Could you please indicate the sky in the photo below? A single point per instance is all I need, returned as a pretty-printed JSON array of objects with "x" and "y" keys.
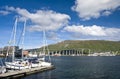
[{"x": 60, "y": 19}]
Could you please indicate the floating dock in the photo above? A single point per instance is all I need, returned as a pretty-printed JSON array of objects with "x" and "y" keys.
[{"x": 25, "y": 72}]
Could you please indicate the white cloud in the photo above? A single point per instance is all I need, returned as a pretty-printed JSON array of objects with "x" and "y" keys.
[
  {"x": 52, "y": 36},
  {"x": 4, "y": 12},
  {"x": 93, "y": 30},
  {"x": 9, "y": 8},
  {"x": 94, "y": 8},
  {"x": 43, "y": 19},
  {"x": 106, "y": 13}
]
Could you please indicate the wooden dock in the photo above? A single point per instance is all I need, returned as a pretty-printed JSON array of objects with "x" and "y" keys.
[{"x": 25, "y": 72}]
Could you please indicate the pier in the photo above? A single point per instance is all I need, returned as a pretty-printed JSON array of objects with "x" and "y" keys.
[{"x": 21, "y": 73}]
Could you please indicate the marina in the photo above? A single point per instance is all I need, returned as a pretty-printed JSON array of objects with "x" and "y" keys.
[
  {"x": 23, "y": 66},
  {"x": 60, "y": 39}
]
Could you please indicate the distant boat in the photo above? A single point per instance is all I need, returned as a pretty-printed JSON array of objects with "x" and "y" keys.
[
  {"x": 102, "y": 54},
  {"x": 32, "y": 55},
  {"x": 2, "y": 55}
]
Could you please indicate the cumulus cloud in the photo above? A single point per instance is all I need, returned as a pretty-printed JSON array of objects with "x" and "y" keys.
[
  {"x": 4, "y": 12},
  {"x": 106, "y": 13},
  {"x": 94, "y": 8},
  {"x": 53, "y": 36},
  {"x": 9, "y": 8},
  {"x": 93, "y": 30},
  {"x": 43, "y": 19}
]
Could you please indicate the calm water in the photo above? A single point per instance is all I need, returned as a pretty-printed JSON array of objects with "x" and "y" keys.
[
  {"x": 82, "y": 68},
  {"x": 71, "y": 67}
]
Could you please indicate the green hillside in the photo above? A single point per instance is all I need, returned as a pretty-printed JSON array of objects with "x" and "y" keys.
[{"x": 92, "y": 45}]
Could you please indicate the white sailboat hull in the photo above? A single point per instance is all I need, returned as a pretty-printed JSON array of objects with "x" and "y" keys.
[
  {"x": 17, "y": 66},
  {"x": 45, "y": 64},
  {"x": 35, "y": 65}
]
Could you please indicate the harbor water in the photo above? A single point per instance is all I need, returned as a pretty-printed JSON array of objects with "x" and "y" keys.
[{"x": 81, "y": 67}]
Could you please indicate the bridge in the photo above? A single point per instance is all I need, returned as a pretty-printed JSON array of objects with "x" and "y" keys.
[{"x": 70, "y": 52}]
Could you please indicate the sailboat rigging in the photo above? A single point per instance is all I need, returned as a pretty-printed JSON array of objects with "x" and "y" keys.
[
  {"x": 17, "y": 64},
  {"x": 28, "y": 62},
  {"x": 45, "y": 63},
  {"x": 40, "y": 60}
]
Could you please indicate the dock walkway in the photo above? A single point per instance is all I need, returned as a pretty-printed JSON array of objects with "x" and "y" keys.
[{"x": 25, "y": 72}]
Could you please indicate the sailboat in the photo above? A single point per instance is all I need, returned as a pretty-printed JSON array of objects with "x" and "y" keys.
[
  {"x": 43, "y": 62},
  {"x": 17, "y": 64},
  {"x": 40, "y": 60}
]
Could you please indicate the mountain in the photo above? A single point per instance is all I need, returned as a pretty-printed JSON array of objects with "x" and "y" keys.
[{"x": 92, "y": 45}]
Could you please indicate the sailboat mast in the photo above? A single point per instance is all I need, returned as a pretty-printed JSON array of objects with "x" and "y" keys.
[
  {"x": 44, "y": 38},
  {"x": 45, "y": 45},
  {"x": 10, "y": 41},
  {"x": 48, "y": 52},
  {"x": 23, "y": 34},
  {"x": 14, "y": 39}
]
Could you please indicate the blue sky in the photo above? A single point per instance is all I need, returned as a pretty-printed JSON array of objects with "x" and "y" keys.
[{"x": 62, "y": 20}]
